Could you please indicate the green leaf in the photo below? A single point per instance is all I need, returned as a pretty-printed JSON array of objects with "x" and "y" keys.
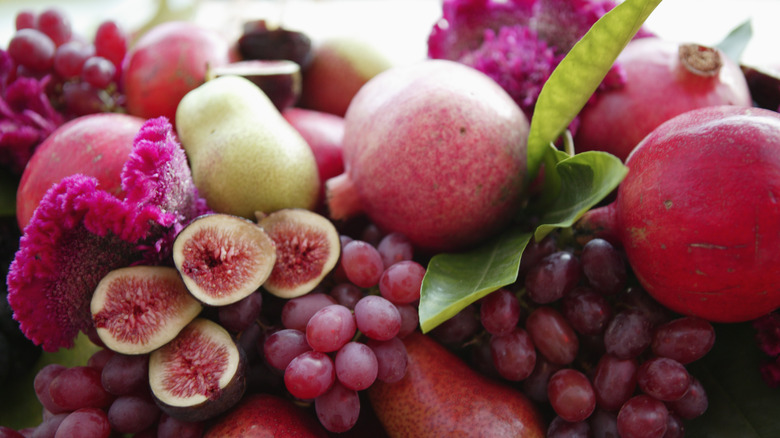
[
  {"x": 740, "y": 403},
  {"x": 453, "y": 281},
  {"x": 585, "y": 179},
  {"x": 579, "y": 74},
  {"x": 736, "y": 41}
]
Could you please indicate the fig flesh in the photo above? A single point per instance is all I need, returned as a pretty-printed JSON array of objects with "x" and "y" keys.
[
  {"x": 223, "y": 258},
  {"x": 138, "y": 309},
  {"x": 307, "y": 248},
  {"x": 198, "y": 375}
]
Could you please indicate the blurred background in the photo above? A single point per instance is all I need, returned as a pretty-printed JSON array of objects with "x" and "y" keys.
[{"x": 400, "y": 27}]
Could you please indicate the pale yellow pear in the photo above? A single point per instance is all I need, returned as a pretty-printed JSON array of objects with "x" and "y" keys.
[{"x": 245, "y": 157}]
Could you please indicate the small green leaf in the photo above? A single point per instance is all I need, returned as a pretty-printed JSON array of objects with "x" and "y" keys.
[
  {"x": 585, "y": 179},
  {"x": 736, "y": 41},
  {"x": 740, "y": 403},
  {"x": 453, "y": 281},
  {"x": 578, "y": 75}
]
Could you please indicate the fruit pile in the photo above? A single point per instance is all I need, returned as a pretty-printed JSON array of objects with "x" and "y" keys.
[{"x": 255, "y": 239}]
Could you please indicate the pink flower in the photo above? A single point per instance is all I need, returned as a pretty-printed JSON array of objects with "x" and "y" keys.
[
  {"x": 517, "y": 42},
  {"x": 27, "y": 116},
  {"x": 79, "y": 233}
]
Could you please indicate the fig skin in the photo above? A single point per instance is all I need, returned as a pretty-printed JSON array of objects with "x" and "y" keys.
[
  {"x": 264, "y": 415},
  {"x": 225, "y": 249},
  {"x": 230, "y": 390},
  {"x": 178, "y": 307},
  {"x": 440, "y": 395},
  {"x": 300, "y": 265}
]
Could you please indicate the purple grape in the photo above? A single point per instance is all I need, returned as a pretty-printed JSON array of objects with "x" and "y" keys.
[
  {"x": 514, "y": 355},
  {"x": 377, "y": 318},
  {"x": 553, "y": 277},
  {"x": 571, "y": 395},
  {"x": 84, "y": 422},
  {"x": 330, "y": 328},
  {"x": 309, "y": 375},
  {"x": 684, "y": 339},
  {"x": 297, "y": 311},
  {"x": 628, "y": 334},
  {"x": 391, "y": 359},
  {"x": 395, "y": 247},
  {"x": 604, "y": 267},
  {"x": 132, "y": 414},
  {"x": 587, "y": 311},
  {"x": 356, "y": 366},
  {"x": 338, "y": 409},
  {"x": 346, "y": 294},
  {"x": 642, "y": 416},
  {"x": 552, "y": 335},
  {"x": 362, "y": 263},
  {"x": 125, "y": 374},
  {"x": 614, "y": 381},
  {"x": 663, "y": 378},
  {"x": 401, "y": 282},
  {"x": 282, "y": 346},
  {"x": 499, "y": 312}
]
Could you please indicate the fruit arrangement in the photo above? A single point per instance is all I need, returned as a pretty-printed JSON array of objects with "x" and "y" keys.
[{"x": 281, "y": 236}]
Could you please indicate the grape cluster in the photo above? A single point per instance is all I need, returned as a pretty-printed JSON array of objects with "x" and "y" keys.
[
  {"x": 339, "y": 340},
  {"x": 321, "y": 348},
  {"x": 109, "y": 394},
  {"x": 575, "y": 335},
  {"x": 84, "y": 75}
]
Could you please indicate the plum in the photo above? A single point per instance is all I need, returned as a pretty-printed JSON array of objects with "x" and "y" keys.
[
  {"x": 698, "y": 213},
  {"x": 662, "y": 79},
  {"x": 435, "y": 150}
]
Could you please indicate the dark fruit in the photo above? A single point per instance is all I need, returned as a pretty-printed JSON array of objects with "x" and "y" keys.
[
  {"x": 280, "y": 80},
  {"x": 199, "y": 374},
  {"x": 307, "y": 249},
  {"x": 138, "y": 309},
  {"x": 223, "y": 258},
  {"x": 261, "y": 41}
]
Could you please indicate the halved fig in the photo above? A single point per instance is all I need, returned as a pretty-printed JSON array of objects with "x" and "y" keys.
[
  {"x": 223, "y": 258},
  {"x": 307, "y": 249},
  {"x": 138, "y": 309},
  {"x": 199, "y": 374},
  {"x": 280, "y": 80}
]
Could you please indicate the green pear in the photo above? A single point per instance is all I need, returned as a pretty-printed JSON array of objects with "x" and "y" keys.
[{"x": 245, "y": 157}]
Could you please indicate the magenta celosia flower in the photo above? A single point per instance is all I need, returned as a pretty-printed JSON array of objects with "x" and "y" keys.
[
  {"x": 517, "y": 60},
  {"x": 27, "y": 116},
  {"x": 517, "y": 42},
  {"x": 79, "y": 233},
  {"x": 770, "y": 372}
]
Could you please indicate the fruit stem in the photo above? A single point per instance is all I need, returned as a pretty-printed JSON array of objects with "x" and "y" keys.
[
  {"x": 342, "y": 197},
  {"x": 700, "y": 60}
]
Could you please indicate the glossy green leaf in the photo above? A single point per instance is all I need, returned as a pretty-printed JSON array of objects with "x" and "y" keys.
[
  {"x": 453, "y": 281},
  {"x": 736, "y": 41},
  {"x": 580, "y": 73},
  {"x": 585, "y": 179},
  {"x": 740, "y": 403}
]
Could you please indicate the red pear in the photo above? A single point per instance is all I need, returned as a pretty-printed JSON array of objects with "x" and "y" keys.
[
  {"x": 440, "y": 395},
  {"x": 265, "y": 415}
]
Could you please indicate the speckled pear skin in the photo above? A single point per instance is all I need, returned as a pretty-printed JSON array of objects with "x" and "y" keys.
[
  {"x": 245, "y": 157},
  {"x": 441, "y": 396}
]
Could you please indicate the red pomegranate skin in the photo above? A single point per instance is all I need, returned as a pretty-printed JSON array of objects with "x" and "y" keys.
[
  {"x": 699, "y": 213},
  {"x": 166, "y": 63},
  {"x": 658, "y": 87},
  {"x": 436, "y": 151},
  {"x": 95, "y": 145}
]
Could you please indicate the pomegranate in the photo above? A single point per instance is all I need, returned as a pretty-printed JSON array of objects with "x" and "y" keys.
[
  {"x": 663, "y": 79},
  {"x": 698, "y": 213}
]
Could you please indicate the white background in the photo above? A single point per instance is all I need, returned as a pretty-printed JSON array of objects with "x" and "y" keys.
[{"x": 400, "y": 27}]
